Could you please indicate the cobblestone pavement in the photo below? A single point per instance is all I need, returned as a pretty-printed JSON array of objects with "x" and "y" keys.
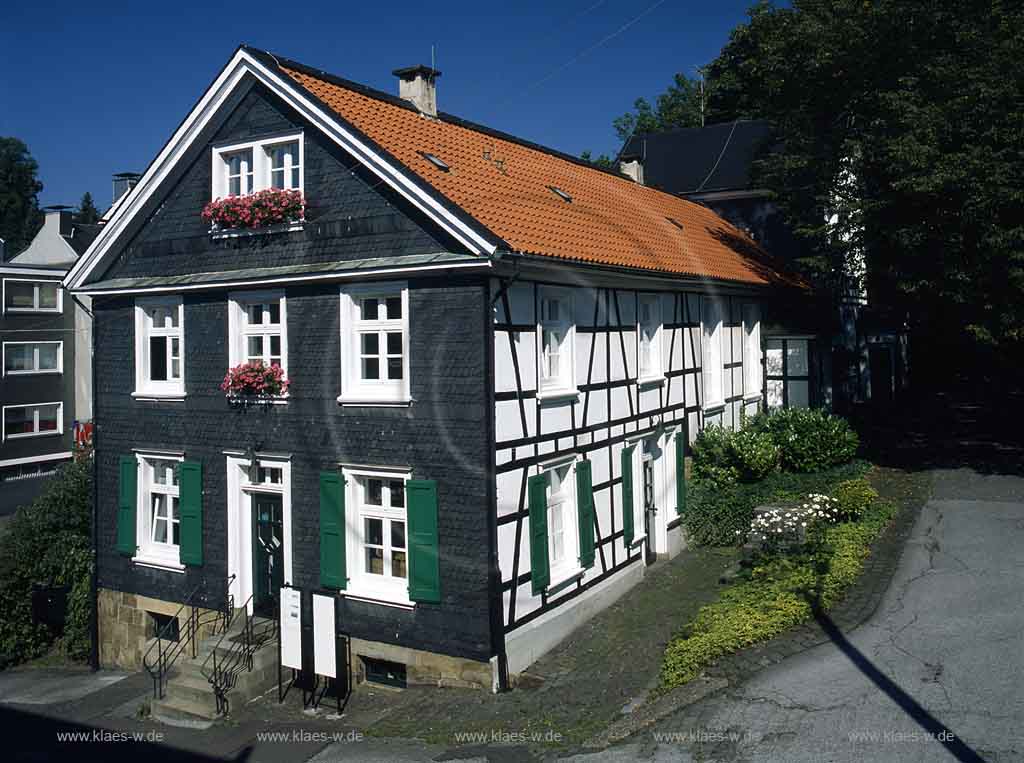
[{"x": 935, "y": 674}]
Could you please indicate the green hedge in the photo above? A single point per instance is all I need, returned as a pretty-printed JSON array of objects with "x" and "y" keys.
[
  {"x": 724, "y": 457},
  {"x": 809, "y": 439},
  {"x": 716, "y": 513},
  {"x": 48, "y": 543},
  {"x": 778, "y": 593}
]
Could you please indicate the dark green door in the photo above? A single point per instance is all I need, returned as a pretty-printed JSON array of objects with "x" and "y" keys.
[{"x": 267, "y": 553}]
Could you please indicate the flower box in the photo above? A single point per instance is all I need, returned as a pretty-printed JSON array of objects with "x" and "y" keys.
[
  {"x": 260, "y": 210},
  {"x": 255, "y": 381}
]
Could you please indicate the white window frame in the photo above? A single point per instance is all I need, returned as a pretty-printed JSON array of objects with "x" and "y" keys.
[
  {"x": 239, "y": 329},
  {"x": 569, "y": 567},
  {"x": 150, "y": 553},
  {"x": 35, "y": 421},
  {"x": 363, "y": 585},
  {"x": 637, "y": 459},
  {"x": 261, "y": 163},
  {"x": 656, "y": 372},
  {"x": 564, "y": 385},
  {"x": 35, "y": 298},
  {"x": 35, "y": 370},
  {"x": 712, "y": 357},
  {"x": 354, "y": 389},
  {"x": 752, "y": 371},
  {"x": 144, "y": 386}
]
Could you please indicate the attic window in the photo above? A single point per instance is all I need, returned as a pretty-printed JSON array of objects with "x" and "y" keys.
[
  {"x": 436, "y": 161},
  {"x": 560, "y": 194},
  {"x": 676, "y": 223}
]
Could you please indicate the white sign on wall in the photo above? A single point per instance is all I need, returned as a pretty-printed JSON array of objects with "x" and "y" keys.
[
  {"x": 324, "y": 636},
  {"x": 291, "y": 628}
]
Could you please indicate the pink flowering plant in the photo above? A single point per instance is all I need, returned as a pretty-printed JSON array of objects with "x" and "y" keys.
[
  {"x": 255, "y": 379},
  {"x": 272, "y": 206}
]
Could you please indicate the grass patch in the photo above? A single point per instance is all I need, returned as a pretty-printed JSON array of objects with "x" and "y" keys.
[{"x": 778, "y": 592}]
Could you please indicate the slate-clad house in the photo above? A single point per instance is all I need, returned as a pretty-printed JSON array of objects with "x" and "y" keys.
[{"x": 497, "y": 356}]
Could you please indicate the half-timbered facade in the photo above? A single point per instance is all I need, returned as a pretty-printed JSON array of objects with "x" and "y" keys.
[{"x": 496, "y": 356}]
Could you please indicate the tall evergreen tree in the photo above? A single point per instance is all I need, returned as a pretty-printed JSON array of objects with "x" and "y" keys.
[
  {"x": 20, "y": 217},
  {"x": 87, "y": 212}
]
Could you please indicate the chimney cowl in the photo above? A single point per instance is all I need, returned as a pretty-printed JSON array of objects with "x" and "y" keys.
[{"x": 418, "y": 85}]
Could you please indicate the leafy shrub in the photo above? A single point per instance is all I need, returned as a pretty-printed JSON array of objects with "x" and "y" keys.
[
  {"x": 778, "y": 593},
  {"x": 724, "y": 457},
  {"x": 854, "y": 498},
  {"x": 809, "y": 438},
  {"x": 717, "y": 514},
  {"x": 48, "y": 543}
]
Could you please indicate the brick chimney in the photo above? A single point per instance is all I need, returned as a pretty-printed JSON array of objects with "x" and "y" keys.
[{"x": 418, "y": 85}]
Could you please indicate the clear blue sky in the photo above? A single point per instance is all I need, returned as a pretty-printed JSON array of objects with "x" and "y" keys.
[{"x": 95, "y": 88}]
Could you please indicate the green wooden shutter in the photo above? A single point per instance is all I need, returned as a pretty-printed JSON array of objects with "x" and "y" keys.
[
  {"x": 332, "y": 531},
  {"x": 540, "y": 567},
  {"x": 681, "y": 473},
  {"x": 190, "y": 508},
  {"x": 627, "y": 495},
  {"x": 585, "y": 507},
  {"x": 424, "y": 568},
  {"x": 127, "y": 498}
]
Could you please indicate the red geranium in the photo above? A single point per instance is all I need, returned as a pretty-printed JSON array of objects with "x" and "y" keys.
[
  {"x": 256, "y": 210},
  {"x": 255, "y": 379}
]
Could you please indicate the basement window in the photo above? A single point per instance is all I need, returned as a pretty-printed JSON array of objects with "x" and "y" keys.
[
  {"x": 384, "y": 672},
  {"x": 560, "y": 194},
  {"x": 436, "y": 161},
  {"x": 159, "y": 622}
]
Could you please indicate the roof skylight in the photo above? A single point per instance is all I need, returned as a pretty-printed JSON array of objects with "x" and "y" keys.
[
  {"x": 560, "y": 193},
  {"x": 676, "y": 223},
  {"x": 436, "y": 161}
]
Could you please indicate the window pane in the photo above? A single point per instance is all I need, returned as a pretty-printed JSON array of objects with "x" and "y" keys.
[
  {"x": 175, "y": 358},
  {"x": 394, "y": 343},
  {"x": 368, "y": 310},
  {"x": 175, "y": 529},
  {"x": 295, "y": 177},
  {"x": 48, "y": 359},
  {"x": 773, "y": 394},
  {"x": 374, "y": 532},
  {"x": 394, "y": 308},
  {"x": 798, "y": 394},
  {"x": 397, "y": 490},
  {"x": 371, "y": 344},
  {"x": 275, "y": 346},
  {"x": 773, "y": 357},
  {"x": 274, "y": 309},
  {"x": 254, "y": 347},
  {"x": 158, "y": 358},
  {"x": 375, "y": 561},
  {"x": 398, "y": 535},
  {"x": 371, "y": 368},
  {"x": 254, "y": 314},
  {"x": 18, "y": 357},
  {"x": 159, "y": 519},
  {"x": 398, "y": 564},
  {"x": 18, "y": 421},
  {"x": 48, "y": 295},
  {"x": 394, "y": 368},
  {"x": 19, "y": 294},
  {"x": 796, "y": 357},
  {"x": 375, "y": 492}
]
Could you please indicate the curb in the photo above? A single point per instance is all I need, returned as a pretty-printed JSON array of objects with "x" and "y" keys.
[{"x": 860, "y": 602}]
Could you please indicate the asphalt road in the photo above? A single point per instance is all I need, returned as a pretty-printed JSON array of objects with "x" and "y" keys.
[{"x": 936, "y": 674}]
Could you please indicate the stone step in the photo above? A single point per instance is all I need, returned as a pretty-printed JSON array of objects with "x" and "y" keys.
[{"x": 181, "y": 712}]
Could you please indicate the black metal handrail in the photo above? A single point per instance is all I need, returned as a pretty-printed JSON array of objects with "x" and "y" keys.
[
  {"x": 167, "y": 651},
  {"x": 222, "y": 667}
]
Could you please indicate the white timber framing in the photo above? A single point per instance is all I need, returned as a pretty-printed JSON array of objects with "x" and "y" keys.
[{"x": 612, "y": 410}]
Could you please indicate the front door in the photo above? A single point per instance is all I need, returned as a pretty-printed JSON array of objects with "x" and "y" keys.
[
  {"x": 649, "y": 507},
  {"x": 267, "y": 552}
]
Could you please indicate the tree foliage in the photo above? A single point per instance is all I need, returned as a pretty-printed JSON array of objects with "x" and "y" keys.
[
  {"x": 678, "y": 106},
  {"x": 20, "y": 217},
  {"x": 603, "y": 161},
  {"x": 902, "y": 129},
  {"x": 87, "y": 212}
]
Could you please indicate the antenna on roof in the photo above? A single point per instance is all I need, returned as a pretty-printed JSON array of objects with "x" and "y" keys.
[
  {"x": 703, "y": 99},
  {"x": 433, "y": 64}
]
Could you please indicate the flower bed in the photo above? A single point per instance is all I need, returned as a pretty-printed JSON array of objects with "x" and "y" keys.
[
  {"x": 272, "y": 206},
  {"x": 255, "y": 380}
]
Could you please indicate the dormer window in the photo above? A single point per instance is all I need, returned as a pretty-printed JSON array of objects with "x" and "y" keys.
[{"x": 243, "y": 168}]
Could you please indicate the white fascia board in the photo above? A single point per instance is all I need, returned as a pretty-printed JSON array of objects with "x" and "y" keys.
[
  {"x": 16, "y": 270},
  {"x": 241, "y": 64}
]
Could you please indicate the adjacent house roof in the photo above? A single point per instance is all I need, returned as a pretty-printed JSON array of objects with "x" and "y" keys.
[
  {"x": 539, "y": 201},
  {"x": 700, "y": 159},
  {"x": 59, "y": 243}
]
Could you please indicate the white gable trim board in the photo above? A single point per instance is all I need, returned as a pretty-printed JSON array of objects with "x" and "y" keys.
[{"x": 243, "y": 63}]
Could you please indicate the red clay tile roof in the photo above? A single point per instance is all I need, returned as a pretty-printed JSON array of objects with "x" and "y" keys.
[{"x": 505, "y": 186}]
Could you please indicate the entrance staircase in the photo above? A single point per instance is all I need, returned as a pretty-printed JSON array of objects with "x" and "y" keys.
[{"x": 228, "y": 670}]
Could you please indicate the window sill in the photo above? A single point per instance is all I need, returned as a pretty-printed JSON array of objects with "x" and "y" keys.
[
  {"x": 26, "y": 310},
  {"x": 651, "y": 381},
  {"x": 218, "y": 233},
  {"x": 637, "y": 541},
  {"x": 713, "y": 408},
  {"x": 566, "y": 580},
  {"x": 369, "y": 402},
  {"x": 33, "y": 373},
  {"x": 558, "y": 395},
  {"x": 750, "y": 397},
  {"x": 32, "y": 435},
  {"x": 244, "y": 400},
  {"x": 162, "y": 397},
  {"x": 156, "y": 563},
  {"x": 377, "y": 597}
]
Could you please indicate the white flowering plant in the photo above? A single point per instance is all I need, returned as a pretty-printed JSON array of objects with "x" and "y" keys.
[{"x": 781, "y": 527}]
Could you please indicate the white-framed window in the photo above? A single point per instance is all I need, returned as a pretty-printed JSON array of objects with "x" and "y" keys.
[
  {"x": 752, "y": 371},
  {"x": 25, "y": 358},
  {"x": 31, "y": 296},
  {"x": 375, "y": 344},
  {"x": 711, "y": 359},
  {"x": 158, "y": 520},
  {"x": 556, "y": 333},
  {"x": 377, "y": 534},
  {"x": 34, "y": 420},
  {"x": 243, "y": 168},
  {"x": 649, "y": 337},
  {"x": 258, "y": 328},
  {"x": 563, "y": 520},
  {"x": 159, "y": 347}
]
